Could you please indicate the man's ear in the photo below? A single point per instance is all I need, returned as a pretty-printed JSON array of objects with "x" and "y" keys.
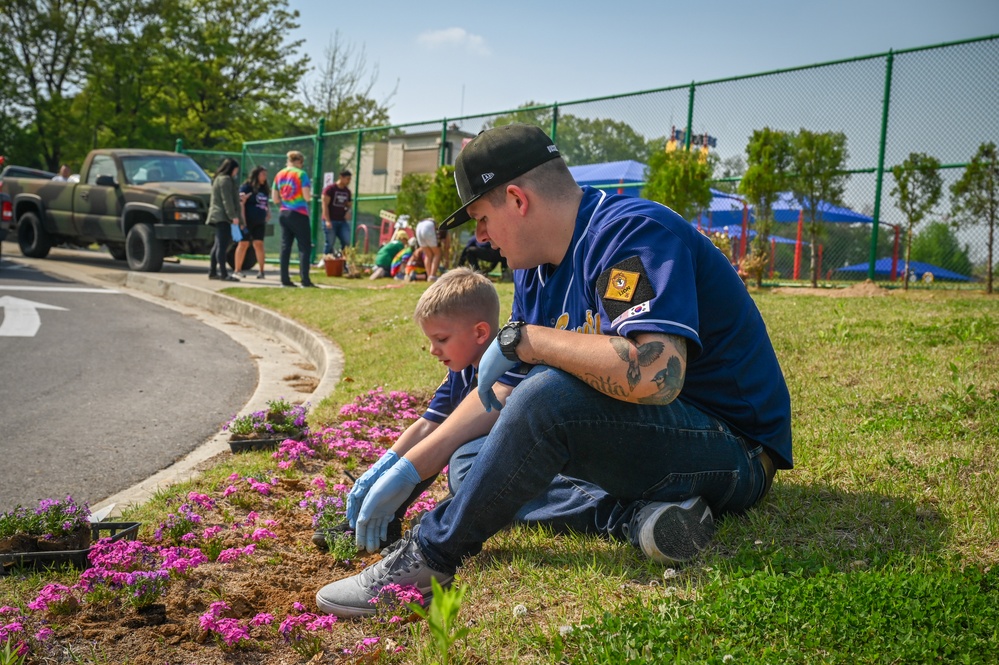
[{"x": 518, "y": 197}]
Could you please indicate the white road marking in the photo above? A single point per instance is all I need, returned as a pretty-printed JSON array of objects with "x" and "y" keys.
[
  {"x": 21, "y": 316},
  {"x": 57, "y": 289}
]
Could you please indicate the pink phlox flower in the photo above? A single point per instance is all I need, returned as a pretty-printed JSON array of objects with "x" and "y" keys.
[
  {"x": 270, "y": 522},
  {"x": 233, "y": 477},
  {"x": 319, "y": 483},
  {"x": 188, "y": 537},
  {"x": 298, "y": 606},
  {"x": 228, "y": 491},
  {"x": 50, "y": 595},
  {"x": 211, "y": 532},
  {"x": 44, "y": 633},
  {"x": 182, "y": 559},
  {"x": 262, "y": 619},
  {"x": 203, "y": 500},
  {"x": 234, "y": 553},
  {"x": 263, "y": 488}
]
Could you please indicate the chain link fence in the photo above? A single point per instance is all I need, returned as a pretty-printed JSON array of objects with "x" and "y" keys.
[{"x": 941, "y": 100}]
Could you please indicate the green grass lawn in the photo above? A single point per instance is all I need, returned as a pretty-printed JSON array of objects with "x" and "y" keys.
[{"x": 878, "y": 547}]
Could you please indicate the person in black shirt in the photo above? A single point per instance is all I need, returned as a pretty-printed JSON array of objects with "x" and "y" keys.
[{"x": 255, "y": 195}]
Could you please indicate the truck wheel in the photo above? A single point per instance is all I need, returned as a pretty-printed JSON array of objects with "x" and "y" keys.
[
  {"x": 32, "y": 238},
  {"x": 143, "y": 251},
  {"x": 117, "y": 252},
  {"x": 249, "y": 260}
]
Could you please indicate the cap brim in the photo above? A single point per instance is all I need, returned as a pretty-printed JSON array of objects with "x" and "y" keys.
[{"x": 459, "y": 216}]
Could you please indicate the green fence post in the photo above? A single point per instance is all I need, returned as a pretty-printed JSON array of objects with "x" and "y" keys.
[
  {"x": 357, "y": 187},
  {"x": 442, "y": 153},
  {"x": 179, "y": 146},
  {"x": 690, "y": 118},
  {"x": 554, "y": 131},
  {"x": 317, "y": 187},
  {"x": 881, "y": 166}
]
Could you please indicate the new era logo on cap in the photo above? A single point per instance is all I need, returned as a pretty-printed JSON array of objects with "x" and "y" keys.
[{"x": 494, "y": 157}]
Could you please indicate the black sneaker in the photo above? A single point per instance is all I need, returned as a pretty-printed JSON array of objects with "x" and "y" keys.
[
  {"x": 290, "y": 285},
  {"x": 320, "y": 536},
  {"x": 672, "y": 532}
]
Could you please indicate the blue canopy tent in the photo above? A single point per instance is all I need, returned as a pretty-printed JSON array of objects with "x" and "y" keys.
[
  {"x": 788, "y": 209},
  {"x": 886, "y": 266},
  {"x": 621, "y": 173}
]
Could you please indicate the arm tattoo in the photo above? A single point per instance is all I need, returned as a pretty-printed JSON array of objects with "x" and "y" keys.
[
  {"x": 637, "y": 357},
  {"x": 669, "y": 381},
  {"x": 605, "y": 385}
]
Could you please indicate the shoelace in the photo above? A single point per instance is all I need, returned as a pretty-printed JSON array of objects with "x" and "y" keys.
[{"x": 398, "y": 560}]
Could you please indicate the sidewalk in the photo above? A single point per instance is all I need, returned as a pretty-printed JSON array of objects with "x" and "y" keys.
[{"x": 281, "y": 348}]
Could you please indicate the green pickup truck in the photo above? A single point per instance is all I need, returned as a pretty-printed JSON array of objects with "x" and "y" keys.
[{"x": 143, "y": 205}]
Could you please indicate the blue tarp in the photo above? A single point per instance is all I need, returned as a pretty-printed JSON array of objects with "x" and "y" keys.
[
  {"x": 787, "y": 207},
  {"x": 725, "y": 210},
  {"x": 623, "y": 172},
  {"x": 883, "y": 267}
]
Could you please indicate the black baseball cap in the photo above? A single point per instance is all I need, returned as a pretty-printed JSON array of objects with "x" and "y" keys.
[{"x": 495, "y": 157}]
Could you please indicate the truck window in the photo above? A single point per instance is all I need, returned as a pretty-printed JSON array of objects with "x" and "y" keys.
[
  {"x": 140, "y": 170},
  {"x": 101, "y": 165}
]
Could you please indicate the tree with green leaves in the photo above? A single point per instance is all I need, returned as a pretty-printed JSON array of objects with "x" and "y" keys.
[
  {"x": 975, "y": 198},
  {"x": 230, "y": 69},
  {"x": 680, "y": 180},
  {"x": 768, "y": 161},
  {"x": 45, "y": 48},
  {"x": 412, "y": 197},
  {"x": 581, "y": 140},
  {"x": 442, "y": 200},
  {"x": 818, "y": 161},
  {"x": 917, "y": 189},
  {"x": 937, "y": 243}
]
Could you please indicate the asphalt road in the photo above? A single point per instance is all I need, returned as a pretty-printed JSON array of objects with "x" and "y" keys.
[{"x": 108, "y": 389}]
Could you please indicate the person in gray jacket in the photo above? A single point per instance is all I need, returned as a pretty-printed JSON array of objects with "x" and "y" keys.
[{"x": 224, "y": 210}]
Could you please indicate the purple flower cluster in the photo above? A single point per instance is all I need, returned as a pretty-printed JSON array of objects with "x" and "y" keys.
[
  {"x": 226, "y": 629},
  {"x": 392, "y": 599}
]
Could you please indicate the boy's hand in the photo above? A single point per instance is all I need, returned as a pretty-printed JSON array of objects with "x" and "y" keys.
[
  {"x": 364, "y": 483},
  {"x": 379, "y": 507},
  {"x": 492, "y": 366}
]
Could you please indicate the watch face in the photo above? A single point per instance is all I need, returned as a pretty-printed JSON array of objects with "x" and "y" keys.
[{"x": 507, "y": 336}]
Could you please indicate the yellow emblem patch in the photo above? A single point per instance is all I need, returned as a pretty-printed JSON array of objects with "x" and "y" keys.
[{"x": 621, "y": 285}]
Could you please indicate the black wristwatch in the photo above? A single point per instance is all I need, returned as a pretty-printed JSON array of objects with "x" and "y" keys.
[{"x": 509, "y": 338}]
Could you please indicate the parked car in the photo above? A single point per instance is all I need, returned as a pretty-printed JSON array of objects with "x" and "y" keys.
[{"x": 143, "y": 205}]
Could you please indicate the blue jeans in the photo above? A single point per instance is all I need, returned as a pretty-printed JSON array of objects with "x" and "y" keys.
[
  {"x": 295, "y": 228},
  {"x": 565, "y": 455},
  {"x": 339, "y": 230}
]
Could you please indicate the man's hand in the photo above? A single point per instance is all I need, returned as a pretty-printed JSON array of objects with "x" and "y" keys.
[
  {"x": 379, "y": 507},
  {"x": 492, "y": 366},
  {"x": 364, "y": 483}
]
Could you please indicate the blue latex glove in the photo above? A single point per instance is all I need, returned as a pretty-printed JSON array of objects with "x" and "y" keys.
[
  {"x": 364, "y": 483},
  {"x": 385, "y": 497},
  {"x": 492, "y": 366}
]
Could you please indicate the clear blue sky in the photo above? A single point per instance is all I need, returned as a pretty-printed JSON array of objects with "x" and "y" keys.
[{"x": 462, "y": 58}]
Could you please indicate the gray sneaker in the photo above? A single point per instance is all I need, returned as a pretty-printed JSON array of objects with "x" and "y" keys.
[
  {"x": 403, "y": 564},
  {"x": 672, "y": 532}
]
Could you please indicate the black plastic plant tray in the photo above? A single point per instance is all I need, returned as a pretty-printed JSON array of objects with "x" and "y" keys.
[{"x": 76, "y": 558}]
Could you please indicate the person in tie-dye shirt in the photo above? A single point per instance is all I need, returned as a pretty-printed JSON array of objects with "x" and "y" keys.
[{"x": 292, "y": 192}]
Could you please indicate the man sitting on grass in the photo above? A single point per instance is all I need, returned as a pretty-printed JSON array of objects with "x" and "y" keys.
[{"x": 653, "y": 378}]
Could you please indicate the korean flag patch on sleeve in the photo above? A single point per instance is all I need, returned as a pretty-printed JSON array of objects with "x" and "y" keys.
[{"x": 623, "y": 285}]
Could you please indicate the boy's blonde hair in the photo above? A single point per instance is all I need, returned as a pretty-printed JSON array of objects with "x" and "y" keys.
[
  {"x": 460, "y": 292},
  {"x": 295, "y": 156},
  {"x": 401, "y": 236}
]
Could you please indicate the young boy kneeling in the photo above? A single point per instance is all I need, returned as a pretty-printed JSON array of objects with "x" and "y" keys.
[{"x": 459, "y": 314}]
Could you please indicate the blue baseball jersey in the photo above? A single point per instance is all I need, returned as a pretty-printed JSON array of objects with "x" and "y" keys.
[
  {"x": 635, "y": 266},
  {"x": 455, "y": 387}
]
